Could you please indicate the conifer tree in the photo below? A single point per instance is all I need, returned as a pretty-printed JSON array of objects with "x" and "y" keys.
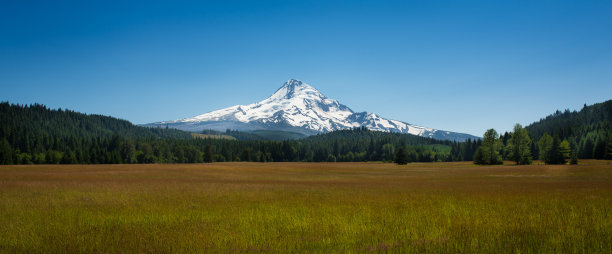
[
  {"x": 599, "y": 151},
  {"x": 401, "y": 158},
  {"x": 208, "y": 154},
  {"x": 127, "y": 151},
  {"x": 554, "y": 155},
  {"x": 388, "y": 152},
  {"x": 6, "y": 152}
]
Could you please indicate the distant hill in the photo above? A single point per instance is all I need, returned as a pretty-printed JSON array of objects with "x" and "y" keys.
[
  {"x": 37, "y": 134},
  {"x": 587, "y": 130},
  {"x": 37, "y": 120}
]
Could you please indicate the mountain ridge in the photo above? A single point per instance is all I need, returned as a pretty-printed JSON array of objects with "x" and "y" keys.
[{"x": 299, "y": 107}]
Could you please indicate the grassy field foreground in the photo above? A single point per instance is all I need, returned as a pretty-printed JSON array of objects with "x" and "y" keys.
[{"x": 306, "y": 207}]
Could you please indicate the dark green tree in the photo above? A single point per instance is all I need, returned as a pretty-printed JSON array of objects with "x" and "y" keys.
[
  {"x": 127, "y": 151},
  {"x": 6, "y": 152},
  {"x": 208, "y": 154},
  {"x": 479, "y": 157},
  {"x": 400, "y": 157},
  {"x": 388, "y": 152},
  {"x": 246, "y": 154},
  {"x": 554, "y": 155},
  {"x": 599, "y": 151},
  {"x": 146, "y": 155}
]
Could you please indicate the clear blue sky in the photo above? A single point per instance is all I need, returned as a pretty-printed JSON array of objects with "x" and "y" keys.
[{"x": 462, "y": 66}]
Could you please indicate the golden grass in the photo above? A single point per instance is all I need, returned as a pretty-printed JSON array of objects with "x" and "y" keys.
[{"x": 307, "y": 207}]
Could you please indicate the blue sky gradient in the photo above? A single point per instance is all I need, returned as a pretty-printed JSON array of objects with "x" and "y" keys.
[{"x": 462, "y": 66}]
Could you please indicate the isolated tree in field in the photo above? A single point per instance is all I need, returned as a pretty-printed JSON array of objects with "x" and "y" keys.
[
  {"x": 400, "y": 157},
  {"x": 545, "y": 144},
  {"x": 488, "y": 152},
  {"x": 519, "y": 146}
]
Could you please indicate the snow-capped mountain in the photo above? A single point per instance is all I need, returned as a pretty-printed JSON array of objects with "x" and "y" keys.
[{"x": 299, "y": 107}]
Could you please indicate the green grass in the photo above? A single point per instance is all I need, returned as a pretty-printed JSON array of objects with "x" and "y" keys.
[{"x": 307, "y": 207}]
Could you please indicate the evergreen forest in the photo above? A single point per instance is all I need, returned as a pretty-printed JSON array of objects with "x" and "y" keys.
[{"x": 35, "y": 134}]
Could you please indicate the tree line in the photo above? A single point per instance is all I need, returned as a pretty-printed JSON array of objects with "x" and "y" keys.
[
  {"x": 35, "y": 134},
  {"x": 556, "y": 139},
  {"x": 39, "y": 135},
  {"x": 346, "y": 145},
  {"x": 517, "y": 146},
  {"x": 587, "y": 131}
]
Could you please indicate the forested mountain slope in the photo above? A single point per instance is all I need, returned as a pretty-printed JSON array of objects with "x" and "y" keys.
[
  {"x": 38, "y": 122},
  {"x": 37, "y": 134},
  {"x": 587, "y": 130}
]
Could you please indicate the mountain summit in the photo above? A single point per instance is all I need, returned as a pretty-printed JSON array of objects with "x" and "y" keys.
[{"x": 299, "y": 107}]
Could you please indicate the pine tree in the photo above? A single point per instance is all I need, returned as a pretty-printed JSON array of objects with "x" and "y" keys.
[
  {"x": 127, "y": 151},
  {"x": 554, "y": 155},
  {"x": 6, "y": 152},
  {"x": 388, "y": 152},
  {"x": 599, "y": 151},
  {"x": 208, "y": 154},
  {"x": 400, "y": 157}
]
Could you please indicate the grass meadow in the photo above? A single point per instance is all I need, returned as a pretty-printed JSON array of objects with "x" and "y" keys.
[{"x": 307, "y": 207}]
